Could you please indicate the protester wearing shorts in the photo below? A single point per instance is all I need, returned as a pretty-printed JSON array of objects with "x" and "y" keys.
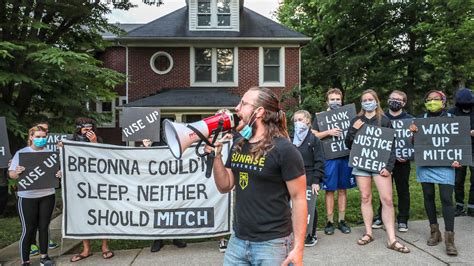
[
  {"x": 372, "y": 114},
  {"x": 35, "y": 207},
  {"x": 338, "y": 174},
  {"x": 311, "y": 150},
  {"x": 428, "y": 176},
  {"x": 401, "y": 171}
]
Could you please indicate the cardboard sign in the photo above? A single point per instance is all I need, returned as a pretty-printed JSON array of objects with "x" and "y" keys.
[
  {"x": 442, "y": 140},
  {"x": 118, "y": 192},
  {"x": 371, "y": 148},
  {"x": 40, "y": 170},
  {"x": 403, "y": 139},
  {"x": 311, "y": 199},
  {"x": 140, "y": 123},
  {"x": 54, "y": 138},
  {"x": 334, "y": 147},
  {"x": 5, "y": 154}
]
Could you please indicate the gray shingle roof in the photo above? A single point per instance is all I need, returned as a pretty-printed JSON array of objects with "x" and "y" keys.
[
  {"x": 175, "y": 25},
  {"x": 124, "y": 26},
  {"x": 189, "y": 97}
]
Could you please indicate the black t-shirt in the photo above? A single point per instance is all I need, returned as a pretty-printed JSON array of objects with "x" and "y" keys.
[{"x": 262, "y": 210}]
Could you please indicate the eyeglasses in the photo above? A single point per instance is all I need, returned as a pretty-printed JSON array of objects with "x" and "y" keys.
[
  {"x": 242, "y": 104},
  {"x": 395, "y": 99}
]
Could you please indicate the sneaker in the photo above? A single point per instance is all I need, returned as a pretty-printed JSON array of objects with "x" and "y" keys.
[
  {"x": 470, "y": 212},
  {"x": 310, "y": 241},
  {"x": 25, "y": 264},
  {"x": 46, "y": 261},
  {"x": 459, "y": 211},
  {"x": 345, "y": 229},
  {"x": 402, "y": 227},
  {"x": 329, "y": 229},
  {"x": 179, "y": 243},
  {"x": 52, "y": 245},
  {"x": 377, "y": 224},
  {"x": 222, "y": 245},
  {"x": 34, "y": 250},
  {"x": 156, "y": 246}
]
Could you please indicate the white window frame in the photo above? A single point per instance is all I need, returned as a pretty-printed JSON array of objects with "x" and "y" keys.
[
  {"x": 214, "y": 82},
  {"x": 261, "y": 67},
  {"x": 214, "y": 15},
  {"x": 152, "y": 62},
  {"x": 111, "y": 123}
]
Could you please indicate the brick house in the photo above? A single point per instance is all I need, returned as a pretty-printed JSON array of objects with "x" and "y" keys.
[{"x": 199, "y": 59}]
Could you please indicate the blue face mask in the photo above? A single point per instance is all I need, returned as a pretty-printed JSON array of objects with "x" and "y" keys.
[
  {"x": 246, "y": 132},
  {"x": 39, "y": 142},
  {"x": 369, "y": 106}
]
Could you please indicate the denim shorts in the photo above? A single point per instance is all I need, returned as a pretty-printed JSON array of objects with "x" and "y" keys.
[
  {"x": 244, "y": 252},
  {"x": 359, "y": 172}
]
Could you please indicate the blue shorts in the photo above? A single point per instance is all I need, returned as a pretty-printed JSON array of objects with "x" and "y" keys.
[{"x": 338, "y": 175}]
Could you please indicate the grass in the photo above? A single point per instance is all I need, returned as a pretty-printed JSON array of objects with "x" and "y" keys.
[{"x": 10, "y": 228}]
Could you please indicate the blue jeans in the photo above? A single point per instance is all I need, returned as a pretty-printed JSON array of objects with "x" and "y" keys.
[{"x": 244, "y": 252}]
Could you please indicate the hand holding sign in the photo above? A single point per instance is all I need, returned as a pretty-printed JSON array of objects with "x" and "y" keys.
[
  {"x": 358, "y": 124},
  {"x": 335, "y": 132},
  {"x": 19, "y": 169}
]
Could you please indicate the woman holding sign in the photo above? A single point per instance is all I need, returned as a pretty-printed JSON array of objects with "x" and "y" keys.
[
  {"x": 311, "y": 150},
  {"x": 372, "y": 114},
  {"x": 428, "y": 176},
  {"x": 35, "y": 207}
]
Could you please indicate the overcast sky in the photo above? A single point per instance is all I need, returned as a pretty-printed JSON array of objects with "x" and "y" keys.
[{"x": 145, "y": 13}]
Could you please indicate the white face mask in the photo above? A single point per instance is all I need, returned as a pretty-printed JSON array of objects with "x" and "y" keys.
[{"x": 301, "y": 130}]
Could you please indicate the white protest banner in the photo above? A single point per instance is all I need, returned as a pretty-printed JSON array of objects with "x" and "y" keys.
[{"x": 119, "y": 192}]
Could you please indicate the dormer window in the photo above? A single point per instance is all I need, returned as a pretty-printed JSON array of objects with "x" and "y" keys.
[{"x": 214, "y": 15}]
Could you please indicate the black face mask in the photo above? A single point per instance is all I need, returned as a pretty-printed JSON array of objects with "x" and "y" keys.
[
  {"x": 395, "y": 106},
  {"x": 82, "y": 138},
  {"x": 464, "y": 106}
]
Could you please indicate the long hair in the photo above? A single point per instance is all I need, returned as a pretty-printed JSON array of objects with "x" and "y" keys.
[
  {"x": 32, "y": 131},
  {"x": 274, "y": 121},
  {"x": 378, "y": 110}
]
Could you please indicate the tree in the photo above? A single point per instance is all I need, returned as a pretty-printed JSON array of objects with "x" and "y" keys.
[
  {"x": 47, "y": 64},
  {"x": 409, "y": 45}
]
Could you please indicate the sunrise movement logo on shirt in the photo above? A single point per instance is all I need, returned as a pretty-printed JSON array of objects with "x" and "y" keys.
[{"x": 247, "y": 161}]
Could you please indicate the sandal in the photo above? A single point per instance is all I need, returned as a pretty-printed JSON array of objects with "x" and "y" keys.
[
  {"x": 401, "y": 248},
  {"x": 107, "y": 254},
  {"x": 79, "y": 257},
  {"x": 363, "y": 241}
]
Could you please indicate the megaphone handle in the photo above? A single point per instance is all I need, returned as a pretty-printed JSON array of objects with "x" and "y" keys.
[{"x": 209, "y": 163}]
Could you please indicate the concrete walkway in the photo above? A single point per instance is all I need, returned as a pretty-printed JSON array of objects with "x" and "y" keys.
[{"x": 338, "y": 249}]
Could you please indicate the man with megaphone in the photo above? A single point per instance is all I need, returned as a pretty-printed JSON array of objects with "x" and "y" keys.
[{"x": 267, "y": 172}]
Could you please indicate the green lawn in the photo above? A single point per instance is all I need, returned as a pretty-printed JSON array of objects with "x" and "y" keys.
[{"x": 10, "y": 228}]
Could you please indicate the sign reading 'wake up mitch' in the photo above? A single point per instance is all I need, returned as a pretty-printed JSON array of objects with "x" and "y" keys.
[{"x": 442, "y": 140}]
